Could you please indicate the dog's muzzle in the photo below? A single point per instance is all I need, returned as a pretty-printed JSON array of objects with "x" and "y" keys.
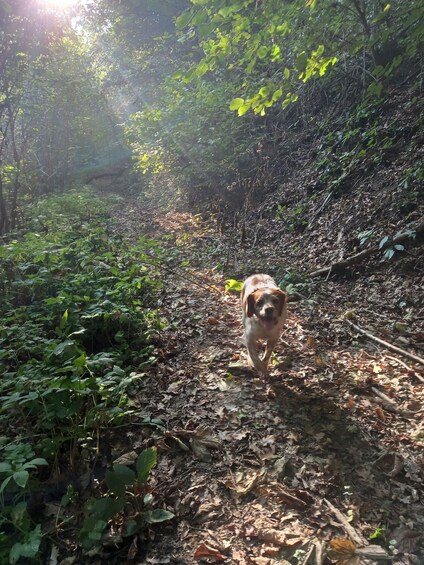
[{"x": 268, "y": 322}]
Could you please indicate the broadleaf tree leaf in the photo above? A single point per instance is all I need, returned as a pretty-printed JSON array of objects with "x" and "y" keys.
[
  {"x": 157, "y": 515},
  {"x": 236, "y": 103},
  {"x": 244, "y": 108},
  {"x": 106, "y": 508},
  {"x": 119, "y": 478},
  {"x": 145, "y": 463},
  {"x": 183, "y": 20}
]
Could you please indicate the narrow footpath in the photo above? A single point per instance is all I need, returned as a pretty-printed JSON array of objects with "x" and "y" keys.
[{"x": 326, "y": 453}]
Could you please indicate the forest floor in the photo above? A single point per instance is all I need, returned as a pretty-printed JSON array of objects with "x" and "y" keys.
[{"x": 328, "y": 449}]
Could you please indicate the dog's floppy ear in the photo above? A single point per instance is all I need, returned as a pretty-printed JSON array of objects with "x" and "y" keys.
[
  {"x": 282, "y": 294},
  {"x": 283, "y": 297},
  {"x": 250, "y": 305}
]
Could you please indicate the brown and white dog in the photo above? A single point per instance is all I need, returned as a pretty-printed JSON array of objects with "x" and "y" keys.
[{"x": 264, "y": 313}]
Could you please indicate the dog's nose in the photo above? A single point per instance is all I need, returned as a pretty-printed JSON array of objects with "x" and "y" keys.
[{"x": 269, "y": 310}]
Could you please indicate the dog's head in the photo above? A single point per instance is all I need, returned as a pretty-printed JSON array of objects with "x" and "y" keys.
[{"x": 266, "y": 303}]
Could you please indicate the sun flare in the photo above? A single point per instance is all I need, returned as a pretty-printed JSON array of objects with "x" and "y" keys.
[{"x": 60, "y": 4}]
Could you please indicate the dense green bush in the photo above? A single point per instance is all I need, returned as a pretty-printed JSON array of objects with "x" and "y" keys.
[{"x": 77, "y": 322}]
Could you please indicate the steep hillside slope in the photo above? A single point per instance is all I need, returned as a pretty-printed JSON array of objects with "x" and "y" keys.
[{"x": 352, "y": 187}]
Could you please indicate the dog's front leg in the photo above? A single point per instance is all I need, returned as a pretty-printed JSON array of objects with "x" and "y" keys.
[
  {"x": 270, "y": 345},
  {"x": 253, "y": 358}
]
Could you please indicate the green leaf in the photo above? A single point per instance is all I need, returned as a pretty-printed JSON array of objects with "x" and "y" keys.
[
  {"x": 236, "y": 103},
  {"x": 5, "y": 483},
  {"x": 63, "y": 320},
  {"x": 148, "y": 499},
  {"x": 183, "y": 20},
  {"x": 262, "y": 52},
  {"x": 158, "y": 515},
  {"x": 37, "y": 461},
  {"x": 106, "y": 508},
  {"x": 320, "y": 50},
  {"x": 29, "y": 548},
  {"x": 377, "y": 534},
  {"x": 383, "y": 241},
  {"x": 131, "y": 527},
  {"x": 286, "y": 73},
  {"x": 202, "y": 69},
  {"x": 205, "y": 29},
  {"x": 118, "y": 479},
  {"x": 21, "y": 478},
  {"x": 81, "y": 360},
  {"x": 145, "y": 463},
  {"x": 243, "y": 109},
  {"x": 301, "y": 61},
  {"x": 20, "y": 516},
  {"x": 67, "y": 344},
  {"x": 200, "y": 18},
  {"x": 277, "y": 95},
  {"x": 275, "y": 53},
  {"x": 399, "y": 247},
  {"x": 224, "y": 12},
  {"x": 388, "y": 254},
  {"x": 250, "y": 66},
  {"x": 233, "y": 284},
  {"x": 5, "y": 467}
]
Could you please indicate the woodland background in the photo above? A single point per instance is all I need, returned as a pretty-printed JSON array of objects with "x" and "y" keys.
[{"x": 149, "y": 151}]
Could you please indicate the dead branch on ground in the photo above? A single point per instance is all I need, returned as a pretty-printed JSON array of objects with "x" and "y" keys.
[
  {"x": 386, "y": 344},
  {"x": 350, "y": 530},
  {"x": 418, "y": 227}
]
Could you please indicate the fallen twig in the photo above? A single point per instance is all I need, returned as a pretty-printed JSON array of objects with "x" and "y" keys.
[
  {"x": 384, "y": 397},
  {"x": 287, "y": 497},
  {"x": 353, "y": 259},
  {"x": 319, "y": 550},
  {"x": 390, "y": 405},
  {"x": 385, "y": 343},
  {"x": 407, "y": 367},
  {"x": 308, "y": 555},
  {"x": 350, "y": 530}
]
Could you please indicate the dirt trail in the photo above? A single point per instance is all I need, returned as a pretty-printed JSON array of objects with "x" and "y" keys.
[{"x": 246, "y": 465}]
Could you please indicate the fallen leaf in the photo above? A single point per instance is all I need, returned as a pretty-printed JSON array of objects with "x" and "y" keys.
[
  {"x": 126, "y": 459},
  {"x": 380, "y": 413},
  {"x": 310, "y": 342},
  {"x": 248, "y": 484},
  {"x": 275, "y": 537},
  {"x": 271, "y": 550},
  {"x": 205, "y": 551},
  {"x": 320, "y": 361},
  {"x": 201, "y": 449},
  {"x": 343, "y": 551},
  {"x": 213, "y": 321}
]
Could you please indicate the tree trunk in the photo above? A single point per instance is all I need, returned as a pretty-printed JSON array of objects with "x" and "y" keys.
[{"x": 4, "y": 218}]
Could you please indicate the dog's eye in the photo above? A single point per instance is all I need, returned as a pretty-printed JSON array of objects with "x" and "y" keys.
[
  {"x": 260, "y": 302},
  {"x": 275, "y": 299}
]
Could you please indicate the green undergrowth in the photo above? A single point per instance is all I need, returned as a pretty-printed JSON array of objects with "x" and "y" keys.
[
  {"x": 371, "y": 136},
  {"x": 78, "y": 321}
]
